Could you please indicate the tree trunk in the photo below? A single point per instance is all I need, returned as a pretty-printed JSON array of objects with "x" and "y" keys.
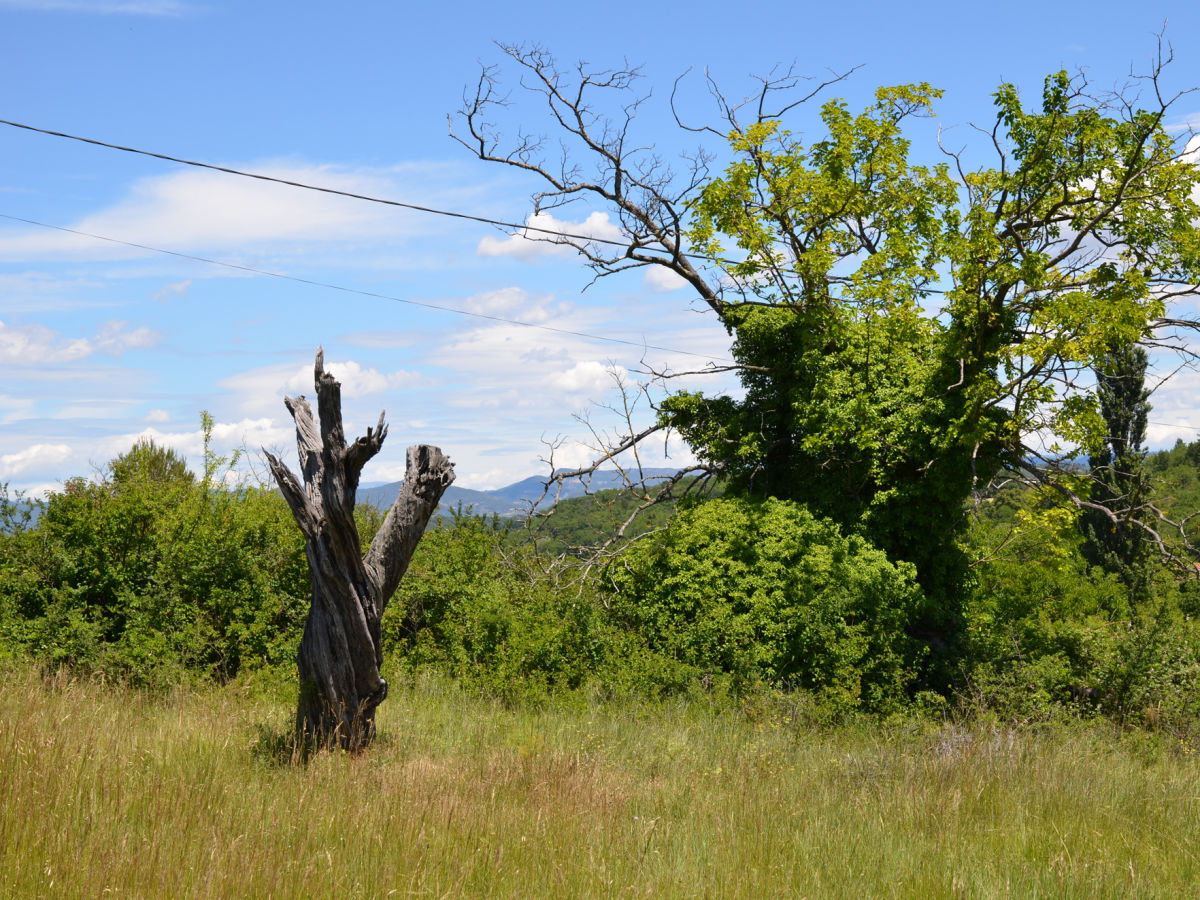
[{"x": 340, "y": 653}]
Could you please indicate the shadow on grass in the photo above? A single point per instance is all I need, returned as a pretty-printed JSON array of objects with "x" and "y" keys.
[{"x": 280, "y": 748}]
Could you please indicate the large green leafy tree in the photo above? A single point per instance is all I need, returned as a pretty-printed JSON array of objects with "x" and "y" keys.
[{"x": 903, "y": 331}]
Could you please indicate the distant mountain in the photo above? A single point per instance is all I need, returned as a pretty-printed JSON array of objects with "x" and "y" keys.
[
  {"x": 19, "y": 509},
  {"x": 506, "y": 502}
]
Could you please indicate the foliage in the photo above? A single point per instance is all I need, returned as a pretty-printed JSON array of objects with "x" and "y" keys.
[
  {"x": 1175, "y": 475},
  {"x": 763, "y": 590},
  {"x": 155, "y": 578},
  {"x": 1047, "y": 631},
  {"x": 578, "y": 525},
  {"x": 860, "y": 403},
  {"x": 904, "y": 332},
  {"x": 147, "y": 462},
  {"x": 17, "y": 514},
  {"x": 148, "y": 574},
  {"x": 1115, "y": 538},
  {"x": 469, "y": 609}
]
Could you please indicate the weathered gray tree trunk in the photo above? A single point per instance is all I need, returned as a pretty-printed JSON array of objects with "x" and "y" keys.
[{"x": 340, "y": 653}]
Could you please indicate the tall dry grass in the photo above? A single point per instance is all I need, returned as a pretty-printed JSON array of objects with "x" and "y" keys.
[{"x": 109, "y": 792}]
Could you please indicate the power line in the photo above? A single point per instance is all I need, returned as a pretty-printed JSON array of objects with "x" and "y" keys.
[
  {"x": 1175, "y": 425},
  {"x": 349, "y": 290},
  {"x": 423, "y": 304},
  {"x": 328, "y": 190},
  {"x": 371, "y": 199}
]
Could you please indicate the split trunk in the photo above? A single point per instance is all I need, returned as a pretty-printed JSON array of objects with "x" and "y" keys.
[{"x": 341, "y": 653}]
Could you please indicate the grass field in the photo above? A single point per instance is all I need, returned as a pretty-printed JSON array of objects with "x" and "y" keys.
[{"x": 110, "y": 792}]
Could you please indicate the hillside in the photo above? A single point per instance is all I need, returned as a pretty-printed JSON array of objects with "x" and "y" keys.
[{"x": 510, "y": 501}]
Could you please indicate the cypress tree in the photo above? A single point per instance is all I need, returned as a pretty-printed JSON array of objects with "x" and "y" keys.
[{"x": 1120, "y": 480}]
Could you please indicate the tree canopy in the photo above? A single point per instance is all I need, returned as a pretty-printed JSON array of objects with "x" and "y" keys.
[
  {"x": 904, "y": 332},
  {"x": 147, "y": 461}
]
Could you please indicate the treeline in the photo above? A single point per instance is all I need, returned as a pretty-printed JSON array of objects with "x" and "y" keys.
[
  {"x": 582, "y": 525},
  {"x": 150, "y": 574}
]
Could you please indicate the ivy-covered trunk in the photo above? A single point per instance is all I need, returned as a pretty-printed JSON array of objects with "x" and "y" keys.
[{"x": 341, "y": 652}]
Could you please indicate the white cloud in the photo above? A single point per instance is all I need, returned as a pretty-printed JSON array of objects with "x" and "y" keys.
[
  {"x": 356, "y": 380},
  {"x": 41, "y": 292},
  {"x": 33, "y": 344},
  {"x": 39, "y": 490},
  {"x": 515, "y": 384},
  {"x": 514, "y": 354},
  {"x": 36, "y": 345},
  {"x": 262, "y": 390},
  {"x": 225, "y": 437},
  {"x": 45, "y": 464},
  {"x": 516, "y": 303},
  {"x": 589, "y": 377},
  {"x": 15, "y": 407},
  {"x": 198, "y": 209},
  {"x": 662, "y": 280},
  {"x": 506, "y": 366},
  {"x": 1191, "y": 151},
  {"x": 114, "y": 338},
  {"x": 94, "y": 408},
  {"x": 38, "y": 454},
  {"x": 1184, "y": 124},
  {"x": 175, "y": 289},
  {"x": 673, "y": 451},
  {"x": 529, "y": 245},
  {"x": 1165, "y": 433},
  {"x": 381, "y": 340},
  {"x": 574, "y": 455},
  {"x": 502, "y": 302},
  {"x": 483, "y": 480},
  {"x": 1174, "y": 410},
  {"x": 486, "y": 393}
]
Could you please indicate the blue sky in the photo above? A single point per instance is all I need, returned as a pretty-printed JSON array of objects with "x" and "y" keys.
[{"x": 101, "y": 343}]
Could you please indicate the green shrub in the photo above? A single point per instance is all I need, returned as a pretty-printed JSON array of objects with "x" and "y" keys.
[
  {"x": 473, "y": 611},
  {"x": 147, "y": 574},
  {"x": 1046, "y": 632},
  {"x": 764, "y": 591}
]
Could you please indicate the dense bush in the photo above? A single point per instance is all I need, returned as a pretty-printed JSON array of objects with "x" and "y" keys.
[
  {"x": 1046, "y": 632},
  {"x": 763, "y": 590},
  {"x": 147, "y": 573},
  {"x": 472, "y": 609}
]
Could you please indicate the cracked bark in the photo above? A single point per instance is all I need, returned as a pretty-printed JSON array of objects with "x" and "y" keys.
[{"x": 341, "y": 653}]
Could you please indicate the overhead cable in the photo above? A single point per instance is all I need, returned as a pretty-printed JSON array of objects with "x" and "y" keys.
[
  {"x": 1174, "y": 425},
  {"x": 328, "y": 190},
  {"x": 349, "y": 290}
]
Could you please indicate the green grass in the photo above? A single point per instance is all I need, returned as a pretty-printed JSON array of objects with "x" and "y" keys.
[{"x": 110, "y": 792}]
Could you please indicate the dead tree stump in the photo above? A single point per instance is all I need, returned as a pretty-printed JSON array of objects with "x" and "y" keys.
[{"x": 341, "y": 653}]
